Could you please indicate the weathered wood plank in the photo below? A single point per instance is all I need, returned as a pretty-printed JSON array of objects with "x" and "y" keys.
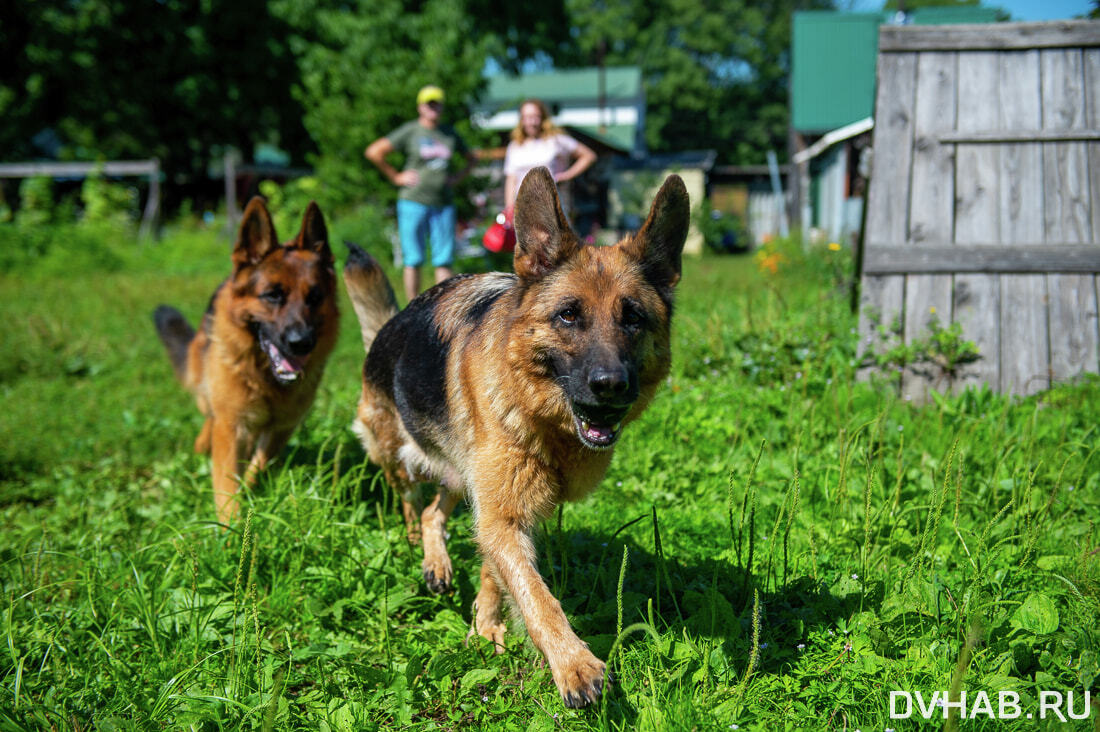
[
  {"x": 977, "y": 307},
  {"x": 1021, "y": 188},
  {"x": 1092, "y": 119},
  {"x": 932, "y": 195},
  {"x": 989, "y": 37},
  {"x": 881, "y": 300},
  {"x": 1074, "y": 339},
  {"x": 987, "y": 137},
  {"x": 976, "y": 298},
  {"x": 943, "y": 258},
  {"x": 888, "y": 196},
  {"x": 932, "y": 205},
  {"x": 1024, "y": 343},
  {"x": 927, "y": 297},
  {"x": 1092, "y": 94},
  {"x": 1065, "y": 169},
  {"x": 1025, "y": 350},
  {"x": 77, "y": 170},
  {"x": 977, "y": 167}
]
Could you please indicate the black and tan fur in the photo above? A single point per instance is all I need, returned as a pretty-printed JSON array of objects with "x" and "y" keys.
[
  {"x": 256, "y": 360},
  {"x": 512, "y": 390}
]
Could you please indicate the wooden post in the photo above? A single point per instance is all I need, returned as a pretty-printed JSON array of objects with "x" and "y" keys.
[
  {"x": 232, "y": 213},
  {"x": 152, "y": 203}
]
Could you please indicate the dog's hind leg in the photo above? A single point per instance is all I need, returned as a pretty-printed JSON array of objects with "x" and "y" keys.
[
  {"x": 488, "y": 621},
  {"x": 437, "y": 563},
  {"x": 408, "y": 493},
  {"x": 202, "y": 442}
]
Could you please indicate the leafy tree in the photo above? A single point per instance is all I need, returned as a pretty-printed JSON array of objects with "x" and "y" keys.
[
  {"x": 360, "y": 65},
  {"x": 178, "y": 80},
  {"x": 361, "y": 61},
  {"x": 716, "y": 73}
]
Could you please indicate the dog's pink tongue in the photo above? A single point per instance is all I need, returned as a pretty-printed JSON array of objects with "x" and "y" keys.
[
  {"x": 282, "y": 364},
  {"x": 599, "y": 432}
]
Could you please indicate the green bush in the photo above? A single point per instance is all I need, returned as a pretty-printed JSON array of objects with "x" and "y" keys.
[
  {"x": 108, "y": 203},
  {"x": 36, "y": 203}
]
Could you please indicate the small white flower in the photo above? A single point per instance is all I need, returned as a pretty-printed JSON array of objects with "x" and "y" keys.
[
  {"x": 734, "y": 726},
  {"x": 484, "y": 698},
  {"x": 855, "y": 576},
  {"x": 801, "y": 646}
]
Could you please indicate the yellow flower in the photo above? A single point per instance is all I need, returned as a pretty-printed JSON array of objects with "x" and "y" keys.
[
  {"x": 834, "y": 247},
  {"x": 932, "y": 310}
]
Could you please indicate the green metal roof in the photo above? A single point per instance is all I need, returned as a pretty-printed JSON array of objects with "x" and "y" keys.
[
  {"x": 949, "y": 15},
  {"x": 833, "y": 58},
  {"x": 620, "y": 82},
  {"x": 832, "y": 68}
]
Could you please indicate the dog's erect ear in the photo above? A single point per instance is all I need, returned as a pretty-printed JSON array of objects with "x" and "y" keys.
[
  {"x": 544, "y": 239},
  {"x": 660, "y": 241},
  {"x": 314, "y": 233},
  {"x": 256, "y": 237}
]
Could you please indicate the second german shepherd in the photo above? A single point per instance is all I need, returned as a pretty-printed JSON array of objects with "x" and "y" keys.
[
  {"x": 514, "y": 389},
  {"x": 256, "y": 360}
]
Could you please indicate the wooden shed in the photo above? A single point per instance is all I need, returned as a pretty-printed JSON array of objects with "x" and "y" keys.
[{"x": 984, "y": 202}]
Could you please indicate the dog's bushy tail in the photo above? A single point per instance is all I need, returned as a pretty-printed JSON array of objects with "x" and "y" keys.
[
  {"x": 371, "y": 294},
  {"x": 176, "y": 335}
]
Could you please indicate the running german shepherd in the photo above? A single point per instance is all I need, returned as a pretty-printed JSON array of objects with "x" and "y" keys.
[
  {"x": 514, "y": 389},
  {"x": 257, "y": 359}
]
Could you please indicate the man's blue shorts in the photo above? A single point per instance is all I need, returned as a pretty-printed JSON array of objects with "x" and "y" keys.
[{"x": 416, "y": 223}]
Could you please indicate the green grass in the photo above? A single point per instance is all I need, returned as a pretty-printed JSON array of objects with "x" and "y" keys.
[{"x": 779, "y": 544}]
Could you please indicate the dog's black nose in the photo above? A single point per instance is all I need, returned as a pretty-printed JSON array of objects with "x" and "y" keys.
[
  {"x": 300, "y": 341},
  {"x": 608, "y": 383}
]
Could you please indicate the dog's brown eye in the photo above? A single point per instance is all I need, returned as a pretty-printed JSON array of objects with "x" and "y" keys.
[
  {"x": 274, "y": 296},
  {"x": 313, "y": 297},
  {"x": 568, "y": 316}
]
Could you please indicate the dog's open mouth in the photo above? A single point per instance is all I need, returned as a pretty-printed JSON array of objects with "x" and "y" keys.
[
  {"x": 598, "y": 430},
  {"x": 286, "y": 369}
]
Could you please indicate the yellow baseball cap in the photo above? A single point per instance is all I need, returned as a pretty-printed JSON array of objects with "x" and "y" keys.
[{"x": 428, "y": 94}]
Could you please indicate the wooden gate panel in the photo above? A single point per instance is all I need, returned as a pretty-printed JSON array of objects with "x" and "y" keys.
[{"x": 984, "y": 202}]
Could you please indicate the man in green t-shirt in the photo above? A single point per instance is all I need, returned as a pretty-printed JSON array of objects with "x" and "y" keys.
[{"x": 425, "y": 204}]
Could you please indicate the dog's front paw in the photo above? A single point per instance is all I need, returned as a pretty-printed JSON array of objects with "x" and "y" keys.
[
  {"x": 581, "y": 679},
  {"x": 438, "y": 576}
]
